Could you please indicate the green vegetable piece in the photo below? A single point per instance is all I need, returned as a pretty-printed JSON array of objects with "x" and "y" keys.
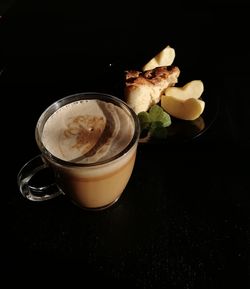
[
  {"x": 159, "y": 132},
  {"x": 157, "y": 114},
  {"x": 154, "y": 122},
  {"x": 144, "y": 119}
]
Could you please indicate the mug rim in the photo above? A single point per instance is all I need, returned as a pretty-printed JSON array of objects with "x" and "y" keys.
[{"x": 75, "y": 97}]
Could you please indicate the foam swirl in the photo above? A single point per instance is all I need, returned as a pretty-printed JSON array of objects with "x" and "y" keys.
[{"x": 87, "y": 131}]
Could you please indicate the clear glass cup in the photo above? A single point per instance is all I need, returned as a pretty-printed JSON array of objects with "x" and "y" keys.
[{"x": 93, "y": 185}]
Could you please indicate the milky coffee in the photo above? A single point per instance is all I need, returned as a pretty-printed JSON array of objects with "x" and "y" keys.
[{"x": 91, "y": 133}]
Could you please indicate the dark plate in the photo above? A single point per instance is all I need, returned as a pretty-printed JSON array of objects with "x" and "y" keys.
[{"x": 179, "y": 130}]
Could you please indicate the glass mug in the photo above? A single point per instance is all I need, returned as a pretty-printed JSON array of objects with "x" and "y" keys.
[{"x": 89, "y": 140}]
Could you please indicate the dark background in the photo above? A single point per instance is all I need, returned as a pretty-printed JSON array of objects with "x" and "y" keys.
[{"x": 183, "y": 220}]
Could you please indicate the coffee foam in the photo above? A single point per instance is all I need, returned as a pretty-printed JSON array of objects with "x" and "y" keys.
[{"x": 87, "y": 131}]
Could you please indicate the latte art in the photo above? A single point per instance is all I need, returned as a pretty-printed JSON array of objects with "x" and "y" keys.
[{"x": 87, "y": 131}]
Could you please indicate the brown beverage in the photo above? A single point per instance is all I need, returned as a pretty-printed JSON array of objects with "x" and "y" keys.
[{"x": 91, "y": 144}]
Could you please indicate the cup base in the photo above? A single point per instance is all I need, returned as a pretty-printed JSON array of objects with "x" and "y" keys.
[{"x": 96, "y": 208}]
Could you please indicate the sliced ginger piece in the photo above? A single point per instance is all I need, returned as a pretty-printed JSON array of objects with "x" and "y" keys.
[
  {"x": 186, "y": 109},
  {"x": 183, "y": 102},
  {"x": 164, "y": 58},
  {"x": 192, "y": 89}
]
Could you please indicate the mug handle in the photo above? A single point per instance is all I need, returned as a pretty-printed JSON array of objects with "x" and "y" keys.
[{"x": 36, "y": 192}]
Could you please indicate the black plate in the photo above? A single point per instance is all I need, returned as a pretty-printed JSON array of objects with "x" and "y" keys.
[{"x": 179, "y": 130}]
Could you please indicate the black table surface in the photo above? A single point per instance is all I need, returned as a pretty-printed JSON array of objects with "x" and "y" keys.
[{"x": 183, "y": 219}]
